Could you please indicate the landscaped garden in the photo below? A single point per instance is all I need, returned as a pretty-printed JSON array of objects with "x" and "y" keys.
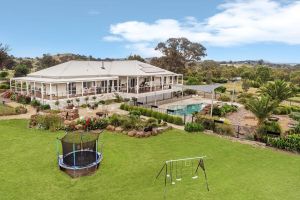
[{"x": 235, "y": 171}]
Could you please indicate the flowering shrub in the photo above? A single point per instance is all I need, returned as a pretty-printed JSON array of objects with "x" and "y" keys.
[
  {"x": 23, "y": 99},
  {"x": 93, "y": 123}
]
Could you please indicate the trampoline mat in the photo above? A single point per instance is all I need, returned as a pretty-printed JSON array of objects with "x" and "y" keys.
[{"x": 80, "y": 158}]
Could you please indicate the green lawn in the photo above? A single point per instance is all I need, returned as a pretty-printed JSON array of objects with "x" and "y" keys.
[
  {"x": 6, "y": 110},
  {"x": 235, "y": 171}
]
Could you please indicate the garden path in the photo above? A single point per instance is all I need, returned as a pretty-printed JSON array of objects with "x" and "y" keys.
[{"x": 30, "y": 111}]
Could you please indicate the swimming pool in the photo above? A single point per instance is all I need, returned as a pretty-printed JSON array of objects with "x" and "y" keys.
[{"x": 187, "y": 109}]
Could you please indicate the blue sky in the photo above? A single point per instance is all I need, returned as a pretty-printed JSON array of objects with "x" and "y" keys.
[{"x": 230, "y": 30}]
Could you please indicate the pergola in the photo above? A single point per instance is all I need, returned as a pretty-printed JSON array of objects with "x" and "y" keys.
[{"x": 202, "y": 88}]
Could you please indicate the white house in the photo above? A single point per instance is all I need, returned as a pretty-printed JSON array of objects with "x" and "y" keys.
[{"x": 103, "y": 79}]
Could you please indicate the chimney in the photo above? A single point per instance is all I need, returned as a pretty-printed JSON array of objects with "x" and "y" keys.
[{"x": 102, "y": 65}]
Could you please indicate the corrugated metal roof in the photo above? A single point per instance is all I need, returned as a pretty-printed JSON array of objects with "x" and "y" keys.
[{"x": 80, "y": 69}]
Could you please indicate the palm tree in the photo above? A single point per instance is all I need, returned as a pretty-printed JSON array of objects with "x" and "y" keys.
[
  {"x": 278, "y": 90},
  {"x": 261, "y": 108}
]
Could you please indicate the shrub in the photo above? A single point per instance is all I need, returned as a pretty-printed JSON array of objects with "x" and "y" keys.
[
  {"x": 45, "y": 107},
  {"x": 295, "y": 116},
  {"x": 229, "y": 108},
  {"x": 50, "y": 122},
  {"x": 189, "y": 92},
  {"x": 295, "y": 108},
  {"x": 206, "y": 121},
  {"x": 7, "y": 94},
  {"x": 193, "y": 81},
  {"x": 224, "y": 97},
  {"x": 13, "y": 97},
  {"x": 35, "y": 103},
  {"x": 290, "y": 142},
  {"x": 4, "y": 86},
  {"x": 220, "y": 89},
  {"x": 102, "y": 123},
  {"x": 282, "y": 110},
  {"x": 23, "y": 99},
  {"x": 224, "y": 129},
  {"x": 135, "y": 113},
  {"x": 3, "y": 74},
  {"x": 269, "y": 127},
  {"x": 178, "y": 121},
  {"x": 151, "y": 122},
  {"x": 150, "y": 113},
  {"x": 193, "y": 127},
  {"x": 20, "y": 110},
  {"x": 116, "y": 120},
  {"x": 220, "y": 80},
  {"x": 218, "y": 111}
]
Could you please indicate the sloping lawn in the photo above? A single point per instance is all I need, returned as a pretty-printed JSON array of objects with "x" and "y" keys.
[{"x": 28, "y": 168}]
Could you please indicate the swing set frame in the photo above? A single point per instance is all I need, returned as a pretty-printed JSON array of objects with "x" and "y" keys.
[{"x": 169, "y": 165}]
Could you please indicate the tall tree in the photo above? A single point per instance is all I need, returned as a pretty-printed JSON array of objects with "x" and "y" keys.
[
  {"x": 136, "y": 57},
  {"x": 263, "y": 74},
  {"x": 4, "y": 57},
  {"x": 177, "y": 52},
  {"x": 47, "y": 61},
  {"x": 21, "y": 70},
  {"x": 278, "y": 90}
]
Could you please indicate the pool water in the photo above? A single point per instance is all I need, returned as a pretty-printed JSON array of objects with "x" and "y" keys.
[{"x": 187, "y": 109}]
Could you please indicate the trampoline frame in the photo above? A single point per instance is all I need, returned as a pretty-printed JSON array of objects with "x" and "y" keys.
[{"x": 77, "y": 171}]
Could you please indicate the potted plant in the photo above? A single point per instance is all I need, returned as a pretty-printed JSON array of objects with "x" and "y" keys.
[
  {"x": 77, "y": 100},
  {"x": 57, "y": 103},
  {"x": 86, "y": 100}
]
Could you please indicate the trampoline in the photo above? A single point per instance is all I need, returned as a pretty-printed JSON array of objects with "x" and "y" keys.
[{"x": 80, "y": 156}]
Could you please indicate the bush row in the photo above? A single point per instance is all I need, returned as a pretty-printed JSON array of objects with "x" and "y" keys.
[
  {"x": 150, "y": 113},
  {"x": 209, "y": 123},
  {"x": 223, "y": 110},
  {"x": 290, "y": 142},
  {"x": 193, "y": 127}
]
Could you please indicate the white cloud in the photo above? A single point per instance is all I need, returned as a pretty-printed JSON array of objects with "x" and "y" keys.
[
  {"x": 238, "y": 22},
  {"x": 112, "y": 38},
  {"x": 144, "y": 49}
]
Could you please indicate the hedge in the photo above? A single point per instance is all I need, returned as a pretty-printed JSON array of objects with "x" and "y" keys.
[
  {"x": 150, "y": 113},
  {"x": 193, "y": 127},
  {"x": 290, "y": 142}
]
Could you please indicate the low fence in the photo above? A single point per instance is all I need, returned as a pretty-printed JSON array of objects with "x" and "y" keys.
[{"x": 245, "y": 131}]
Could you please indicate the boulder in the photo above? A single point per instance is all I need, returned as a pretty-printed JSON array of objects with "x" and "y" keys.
[
  {"x": 67, "y": 122},
  {"x": 140, "y": 134},
  {"x": 118, "y": 129},
  {"x": 132, "y": 133},
  {"x": 147, "y": 134},
  {"x": 125, "y": 132},
  {"x": 154, "y": 132},
  {"x": 110, "y": 128},
  {"x": 79, "y": 127}
]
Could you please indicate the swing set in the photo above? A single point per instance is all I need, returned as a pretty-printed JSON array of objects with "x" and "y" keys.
[{"x": 176, "y": 169}]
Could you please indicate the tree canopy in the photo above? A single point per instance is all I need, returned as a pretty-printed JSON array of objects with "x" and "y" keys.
[
  {"x": 21, "y": 70},
  {"x": 177, "y": 52},
  {"x": 136, "y": 57},
  {"x": 278, "y": 90},
  {"x": 47, "y": 61},
  {"x": 4, "y": 57}
]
